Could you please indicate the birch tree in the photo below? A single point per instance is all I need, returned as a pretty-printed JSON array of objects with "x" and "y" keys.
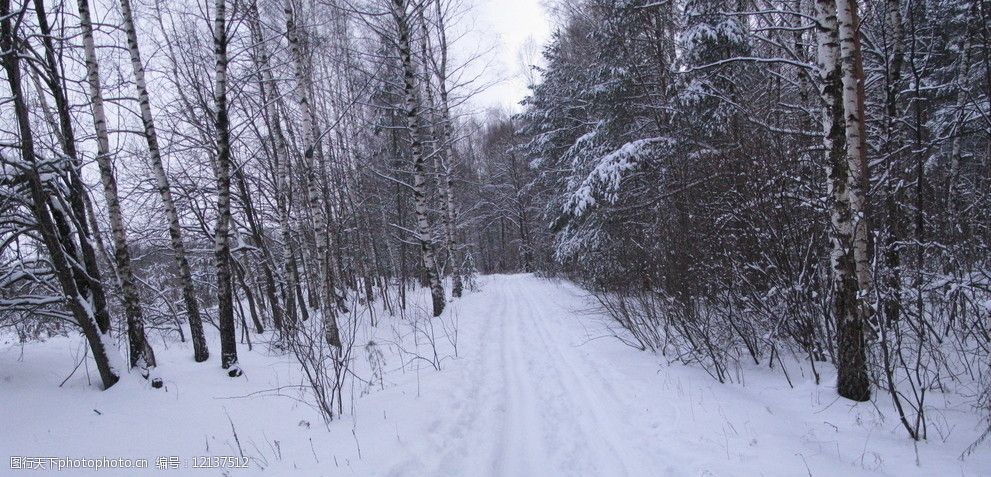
[
  {"x": 141, "y": 354},
  {"x": 269, "y": 96},
  {"x": 200, "y": 350},
  {"x": 312, "y": 164},
  {"x": 435, "y": 66},
  {"x": 401, "y": 16},
  {"x": 852, "y": 379},
  {"x": 53, "y": 194},
  {"x": 222, "y": 248}
]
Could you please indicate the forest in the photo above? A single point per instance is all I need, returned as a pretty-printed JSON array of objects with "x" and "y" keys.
[{"x": 789, "y": 198}]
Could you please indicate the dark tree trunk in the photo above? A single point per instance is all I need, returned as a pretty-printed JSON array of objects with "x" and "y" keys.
[{"x": 222, "y": 248}]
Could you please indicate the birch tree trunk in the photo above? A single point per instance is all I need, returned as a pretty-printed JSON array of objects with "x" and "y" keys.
[
  {"x": 273, "y": 101},
  {"x": 444, "y": 156},
  {"x": 81, "y": 287},
  {"x": 856, "y": 139},
  {"x": 851, "y": 366},
  {"x": 323, "y": 267},
  {"x": 200, "y": 351},
  {"x": 261, "y": 60},
  {"x": 141, "y": 354},
  {"x": 89, "y": 281},
  {"x": 893, "y": 20},
  {"x": 423, "y": 226},
  {"x": 222, "y": 247},
  {"x": 851, "y": 224}
]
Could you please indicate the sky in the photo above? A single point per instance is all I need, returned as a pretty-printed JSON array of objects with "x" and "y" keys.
[{"x": 502, "y": 29}]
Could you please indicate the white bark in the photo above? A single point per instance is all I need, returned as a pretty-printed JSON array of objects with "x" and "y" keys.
[
  {"x": 311, "y": 163},
  {"x": 269, "y": 96},
  {"x": 222, "y": 248},
  {"x": 856, "y": 142},
  {"x": 848, "y": 310},
  {"x": 423, "y": 226},
  {"x": 75, "y": 275},
  {"x": 200, "y": 351},
  {"x": 833, "y": 141},
  {"x": 141, "y": 354},
  {"x": 445, "y": 181}
]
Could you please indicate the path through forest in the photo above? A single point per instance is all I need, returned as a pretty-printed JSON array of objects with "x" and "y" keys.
[
  {"x": 538, "y": 386},
  {"x": 536, "y": 402},
  {"x": 544, "y": 389}
]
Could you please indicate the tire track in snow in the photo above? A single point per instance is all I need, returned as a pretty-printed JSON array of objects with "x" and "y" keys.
[
  {"x": 589, "y": 429},
  {"x": 533, "y": 404},
  {"x": 446, "y": 438},
  {"x": 522, "y": 452},
  {"x": 466, "y": 442},
  {"x": 634, "y": 433}
]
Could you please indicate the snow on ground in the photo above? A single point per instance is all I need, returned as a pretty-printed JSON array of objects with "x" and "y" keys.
[{"x": 537, "y": 389}]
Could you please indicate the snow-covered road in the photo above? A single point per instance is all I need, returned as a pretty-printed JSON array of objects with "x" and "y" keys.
[
  {"x": 543, "y": 389},
  {"x": 535, "y": 402},
  {"x": 537, "y": 387}
]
